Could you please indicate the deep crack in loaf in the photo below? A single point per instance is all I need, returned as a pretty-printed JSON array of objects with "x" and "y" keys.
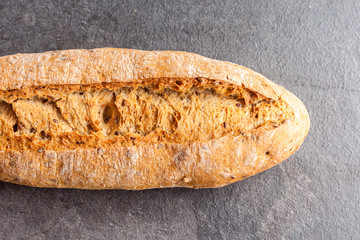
[
  {"x": 114, "y": 118},
  {"x": 177, "y": 111}
]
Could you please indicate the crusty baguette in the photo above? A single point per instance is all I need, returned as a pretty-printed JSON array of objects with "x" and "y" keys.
[{"x": 130, "y": 119}]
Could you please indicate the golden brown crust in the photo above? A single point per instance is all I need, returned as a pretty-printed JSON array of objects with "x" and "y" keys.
[{"x": 211, "y": 163}]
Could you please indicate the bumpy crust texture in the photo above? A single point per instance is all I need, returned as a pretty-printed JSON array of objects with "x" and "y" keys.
[{"x": 199, "y": 164}]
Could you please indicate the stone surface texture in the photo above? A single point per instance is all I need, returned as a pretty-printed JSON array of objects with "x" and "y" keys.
[{"x": 310, "y": 47}]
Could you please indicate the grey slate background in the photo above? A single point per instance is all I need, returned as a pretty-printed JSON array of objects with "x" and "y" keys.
[{"x": 310, "y": 47}]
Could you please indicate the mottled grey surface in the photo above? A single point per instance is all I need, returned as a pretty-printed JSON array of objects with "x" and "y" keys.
[{"x": 310, "y": 47}]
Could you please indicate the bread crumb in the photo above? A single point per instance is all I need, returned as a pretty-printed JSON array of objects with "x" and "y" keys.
[
  {"x": 40, "y": 150},
  {"x": 185, "y": 179}
]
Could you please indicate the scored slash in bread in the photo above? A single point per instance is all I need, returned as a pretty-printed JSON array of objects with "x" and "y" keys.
[{"x": 130, "y": 119}]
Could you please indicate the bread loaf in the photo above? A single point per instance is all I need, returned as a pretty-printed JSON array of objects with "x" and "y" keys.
[{"x": 130, "y": 119}]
